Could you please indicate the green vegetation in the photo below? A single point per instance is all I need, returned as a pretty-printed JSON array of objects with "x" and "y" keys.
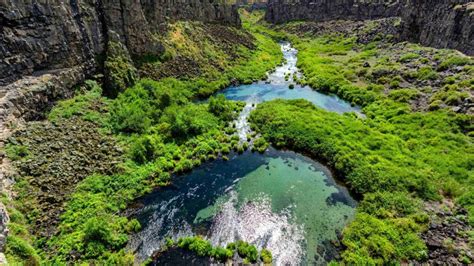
[
  {"x": 395, "y": 158},
  {"x": 409, "y": 57},
  {"x": 390, "y": 152},
  {"x": 204, "y": 248},
  {"x": 455, "y": 61},
  {"x": 266, "y": 256},
  {"x": 162, "y": 131},
  {"x": 119, "y": 71}
]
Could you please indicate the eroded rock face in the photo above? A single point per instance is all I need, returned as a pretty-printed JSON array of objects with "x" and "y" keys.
[
  {"x": 280, "y": 11},
  {"x": 441, "y": 24},
  {"x": 42, "y": 36}
]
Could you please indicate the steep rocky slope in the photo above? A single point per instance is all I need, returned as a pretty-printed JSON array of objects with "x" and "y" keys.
[
  {"x": 441, "y": 24},
  {"x": 42, "y": 37},
  {"x": 280, "y": 11},
  {"x": 54, "y": 45}
]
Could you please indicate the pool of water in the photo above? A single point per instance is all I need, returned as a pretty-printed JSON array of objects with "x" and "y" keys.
[
  {"x": 279, "y": 200},
  {"x": 276, "y": 87}
]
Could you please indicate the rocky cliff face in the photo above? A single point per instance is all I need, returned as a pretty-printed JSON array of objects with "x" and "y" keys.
[
  {"x": 441, "y": 24},
  {"x": 44, "y": 36},
  {"x": 280, "y": 11},
  {"x": 48, "y": 46}
]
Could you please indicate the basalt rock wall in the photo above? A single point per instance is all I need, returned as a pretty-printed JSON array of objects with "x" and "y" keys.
[
  {"x": 44, "y": 35},
  {"x": 280, "y": 11},
  {"x": 441, "y": 24}
]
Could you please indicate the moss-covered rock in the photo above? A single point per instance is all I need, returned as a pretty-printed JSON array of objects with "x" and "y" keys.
[{"x": 119, "y": 70}]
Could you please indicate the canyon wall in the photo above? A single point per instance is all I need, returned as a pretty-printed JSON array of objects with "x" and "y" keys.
[
  {"x": 280, "y": 11},
  {"x": 441, "y": 24},
  {"x": 48, "y": 46},
  {"x": 41, "y": 36}
]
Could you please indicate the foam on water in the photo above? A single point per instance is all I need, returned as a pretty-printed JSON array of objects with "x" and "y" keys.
[{"x": 256, "y": 223}]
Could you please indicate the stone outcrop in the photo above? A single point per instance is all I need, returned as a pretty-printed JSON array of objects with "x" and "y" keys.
[
  {"x": 441, "y": 24},
  {"x": 280, "y": 11}
]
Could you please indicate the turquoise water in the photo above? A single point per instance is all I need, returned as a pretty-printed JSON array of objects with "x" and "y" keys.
[
  {"x": 276, "y": 87},
  {"x": 280, "y": 200}
]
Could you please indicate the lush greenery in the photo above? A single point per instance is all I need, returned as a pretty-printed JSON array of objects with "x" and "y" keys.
[
  {"x": 395, "y": 158},
  {"x": 204, "y": 248},
  {"x": 390, "y": 152},
  {"x": 162, "y": 130},
  {"x": 400, "y": 154}
]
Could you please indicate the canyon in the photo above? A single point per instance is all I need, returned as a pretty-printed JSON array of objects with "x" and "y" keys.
[{"x": 51, "y": 50}]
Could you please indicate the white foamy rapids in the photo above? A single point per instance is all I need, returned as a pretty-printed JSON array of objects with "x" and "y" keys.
[
  {"x": 289, "y": 53},
  {"x": 257, "y": 224},
  {"x": 242, "y": 125},
  {"x": 150, "y": 239}
]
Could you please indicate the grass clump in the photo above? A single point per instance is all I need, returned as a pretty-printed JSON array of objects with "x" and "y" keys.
[
  {"x": 454, "y": 61},
  {"x": 409, "y": 57}
]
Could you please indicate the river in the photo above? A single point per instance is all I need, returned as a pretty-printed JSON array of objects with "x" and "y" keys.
[{"x": 279, "y": 200}]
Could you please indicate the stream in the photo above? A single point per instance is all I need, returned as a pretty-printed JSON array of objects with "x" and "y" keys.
[{"x": 279, "y": 200}]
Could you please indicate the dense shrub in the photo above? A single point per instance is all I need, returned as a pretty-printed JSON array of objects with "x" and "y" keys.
[{"x": 387, "y": 157}]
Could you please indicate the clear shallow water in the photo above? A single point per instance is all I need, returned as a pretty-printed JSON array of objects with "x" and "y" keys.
[
  {"x": 280, "y": 200},
  {"x": 277, "y": 88}
]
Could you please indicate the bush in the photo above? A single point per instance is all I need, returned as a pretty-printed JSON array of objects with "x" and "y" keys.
[
  {"x": 222, "y": 254},
  {"x": 260, "y": 145},
  {"x": 221, "y": 107},
  {"x": 427, "y": 73},
  {"x": 375, "y": 241},
  {"x": 403, "y": 95},
  {"x": 266, "y": 256},
  {"x": 21, "y": 249},
  {"x": 247, "y": 251},
  {"x": 188, "y": 121}
]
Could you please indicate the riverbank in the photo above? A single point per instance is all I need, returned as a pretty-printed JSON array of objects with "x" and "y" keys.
[{"x": 414, "y": 147}]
